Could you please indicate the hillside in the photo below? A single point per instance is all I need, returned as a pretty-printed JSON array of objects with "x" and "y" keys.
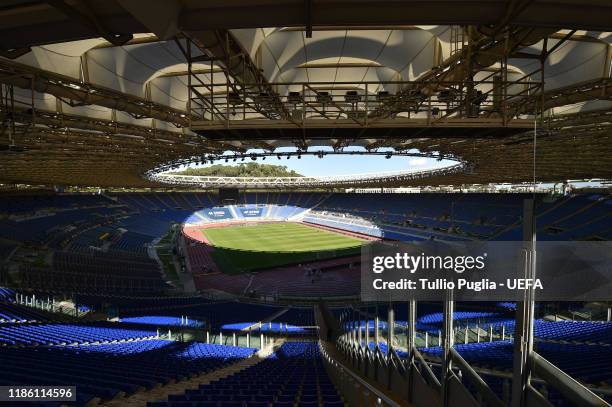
[{"x": 242, "y": 170}]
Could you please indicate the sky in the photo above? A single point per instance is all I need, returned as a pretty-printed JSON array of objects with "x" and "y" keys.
[{"x": 329, "y": 165}]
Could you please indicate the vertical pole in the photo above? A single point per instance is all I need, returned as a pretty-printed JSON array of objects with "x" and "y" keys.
[
  {"x": 189, "y": 73},
  {"x": 390, "y": 327},
  {"x": 410, "y": 344},
  {"x": 367, "y": 106},
  {"x": 234, "y": 339},
  {"x": 448, "y": 342},
  {"x": 248, "y": 340},
  {"x": 367, "y": 332},
  {"x": 359, "y": 336},
  {"x": 411, "y": 328},
  {"x": 523, "y": 335},
  {"x": 376, "y": 330}
]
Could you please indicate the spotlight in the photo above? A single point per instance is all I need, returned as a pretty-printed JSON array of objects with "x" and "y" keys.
[
  {"x": 294, "y": 98},
  {"x": 242, "y": 159},
  {"x": 323, "y": 98},
  {"x": 226, "y": 160},
  {"x": 253, "y": 157},
  {"x": 388, "y": 155},
  {"x": 299, "y": 156},
  {"x": 278, "y": 156},
  {"x": 382, "y": 96},
  {"x": 263, "y": 158},
  {"x": 288, "y": 157},
  {"x": 352, "y": 97}
]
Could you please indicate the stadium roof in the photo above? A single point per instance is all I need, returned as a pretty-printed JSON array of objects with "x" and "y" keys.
[{"x": 99, "y": 92}]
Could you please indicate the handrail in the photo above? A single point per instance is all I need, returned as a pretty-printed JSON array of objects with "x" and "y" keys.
[
  {"x": 394, "y": 357},
  {"x": 566, "y": 385},
  {"x": 481, "y": 386},
  {"x": 430, "y": 372},
  {"x": 508, "y": 375},
  {"x": 358, "y": 379}
]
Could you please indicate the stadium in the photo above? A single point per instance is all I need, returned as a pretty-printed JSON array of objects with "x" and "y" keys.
[{"x": 198, "y": 201}]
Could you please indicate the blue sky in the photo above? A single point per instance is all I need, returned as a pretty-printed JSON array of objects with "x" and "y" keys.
[{"x": 310, "y": 165}]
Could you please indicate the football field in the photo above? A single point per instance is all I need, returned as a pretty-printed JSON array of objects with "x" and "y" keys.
[{"x": 245, "y": 248}]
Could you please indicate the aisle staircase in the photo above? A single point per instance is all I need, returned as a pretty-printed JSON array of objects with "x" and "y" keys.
[{"x": 159, "y": 393}]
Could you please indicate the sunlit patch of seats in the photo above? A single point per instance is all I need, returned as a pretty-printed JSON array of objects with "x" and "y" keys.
[
  {"x": 66, "y": 334},
  {"x": 164, "y": 321},
  {"x": 217, "y": 314},
  {"x": 114, "y": 369},
  {"x": 569, "y": 331},
  {"x": 11, "y": 312},
  {"x": 294, "y": 321},
  {"x": 292, "y": 376},
  {"x": 7, "y": 294}
]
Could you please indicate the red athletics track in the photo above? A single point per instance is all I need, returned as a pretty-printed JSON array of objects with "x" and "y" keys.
[{"x": 339, "y": 277}]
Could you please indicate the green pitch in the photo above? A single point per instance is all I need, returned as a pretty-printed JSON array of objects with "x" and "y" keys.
[{"x": 240, "y": 249}]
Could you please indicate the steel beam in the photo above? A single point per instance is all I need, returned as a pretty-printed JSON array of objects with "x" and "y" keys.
[
  {"x": 225, "y": 50},
  {"x": 525, "y": 312},
  {"x": 73, "y": 91},
  {"x": 448, "y": 342},
  {"x": 34, "y": 23}
]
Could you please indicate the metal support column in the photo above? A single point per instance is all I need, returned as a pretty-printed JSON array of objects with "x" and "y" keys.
[
  {"x": 359, "y": 337},
  {"x": 411, "y": 344},
  {"x": 376, "y": 330},
  {"x": 390, "y": 327},
  {"x": 447, "y": 343},
  {"x": 523, "y": 335}
]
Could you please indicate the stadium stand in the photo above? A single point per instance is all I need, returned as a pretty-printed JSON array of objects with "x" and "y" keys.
[
  {"x": 135, "y": 269},
  {"x": 66, "y": 334},
  {"x": 10, "y": 312},
  {"x": 293, "y": 375},
  {"x": 120, "y": 368}
]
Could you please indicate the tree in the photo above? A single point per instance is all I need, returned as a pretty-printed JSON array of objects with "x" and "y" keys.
[{"x": 242, "y": 170}]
